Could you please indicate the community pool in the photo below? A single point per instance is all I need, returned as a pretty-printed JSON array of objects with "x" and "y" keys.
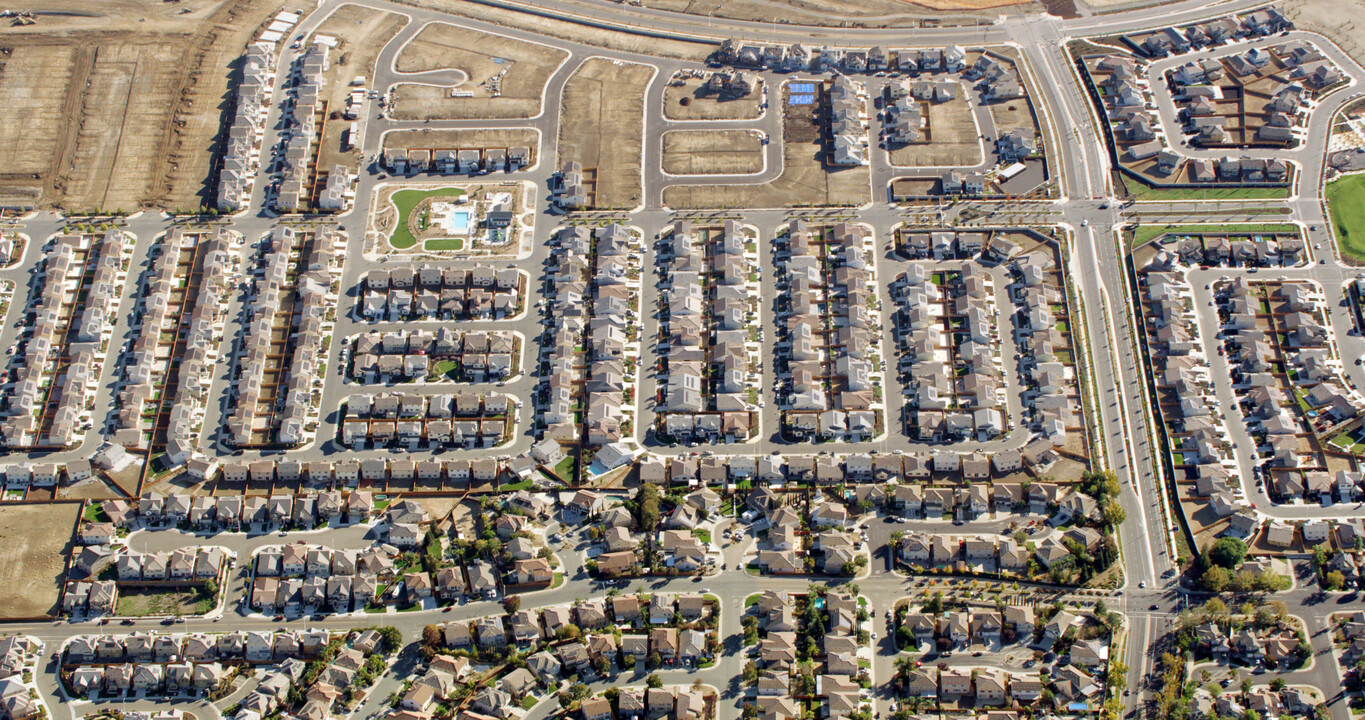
[{"x": 458, "y": 222}]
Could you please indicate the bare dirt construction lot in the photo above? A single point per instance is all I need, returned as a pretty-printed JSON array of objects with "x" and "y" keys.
[
  {"x": 465, "y": 139},
  {"x": 952, "y": 137},
  {"x": 863, "y": 13},
  {"x": 522, "y": 69},
  {"x": 702, "y": 105},
  {"x": 602, "y": 126},
  {"x": 360, "y": 33},
  {"x": 804, "y": 182},
  {"x": 1332, "y": 19},
  {"x": 35, "y": 541},
  {"x": 712, "y": 152},
  {"x": 121, "y": 102}
]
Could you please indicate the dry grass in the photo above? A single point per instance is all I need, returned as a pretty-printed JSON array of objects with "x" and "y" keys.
[
  {"x": 35, "y": 541},
  {"x": 712, "y": 152},
  {"x": 602, "y": 126},
  {"x": 131, "y": 95},
  {"x": 709, "y": 106},
  {"x": 440, "y": 46}
]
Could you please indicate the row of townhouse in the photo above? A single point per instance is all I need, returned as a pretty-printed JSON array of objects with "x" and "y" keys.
[
  {"x": 1051, "y": 394},
  {"x": 961, "y": 628},
  {"x": 636, "y": 703},
  {"x": 240, "y": 153},
  {"x": 295, "y": 156},
  {"x": 235, "y": 512},
  {"x": 986, "y": 248},
  {"x": 828, "y": 331},
  {"x": 18, "y": 698},
  {"x": 448, "y": 161},
  {"x": 55, "y": 332},
  {"x": 594, "y": 288},
  {"x": 293, "y": 285},
  {"x": 1179, "y": 40},
  {"x": 430, "y": 292},
  {"x": 192, "y": 564},
  {"x": 244, "y": 645},
  {"x": 956, "y": 377},
  {"x": 146, "y": 372},
  {"x": 463, "y": 419},
  {"x": 478, "y": 355},
  {"x": 1269, "y": 250},
  {"x": 796, "y": 57},
  {"x": 374, "y": 470},
  {"x": 530, "y": 628},
  {"x": 1273, "y": 647},
  {"x": 846, "y": 115},
  {"x": 151, "y": 679},
  {"x": 706, "y": 309},
  {"x": 839, "y": 469},
  {"x": 96, "y": 597}
]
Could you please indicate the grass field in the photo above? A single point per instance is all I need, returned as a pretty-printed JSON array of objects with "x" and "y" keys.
[
  {"x": 1146, "y": 233},
  {"x": 405, "y": 201},
  {"x": 35, "y": 541},
  {"x": 445, "y": 244},
  {"x": 1346, "y": 206}
]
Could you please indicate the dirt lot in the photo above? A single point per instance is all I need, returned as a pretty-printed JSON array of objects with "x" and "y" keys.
[
  {"x": 602, "y": 126},
  {"x": 456, "y": 139},
  {"x": 360, "y": 33},
  {"x": 122, "y": 101},
  {"x": 440, "y": 46},
  {"x": 952, "y": 134},
  {"x": 804, "y": 180},
  {"x": 712, "y": 152},
  {"x": 1332, "y": 19},
  {"x": 35, "y": 541},
  {"x": 709, "y": 106}
]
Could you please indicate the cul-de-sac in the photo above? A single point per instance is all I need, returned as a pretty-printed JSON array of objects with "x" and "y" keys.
[{"x": 682, "y": 360}]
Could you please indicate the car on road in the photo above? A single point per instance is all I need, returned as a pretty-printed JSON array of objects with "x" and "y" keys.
[{"x": 1142, "y": 584}]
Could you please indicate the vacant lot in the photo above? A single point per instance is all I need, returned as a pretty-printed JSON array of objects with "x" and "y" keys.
[
  {"x": 954, "y": 140},
  {"x": 712, "y": 152},
  {"x": 360, "y": 34},
  {"x": 804, "y": 182},
  {"x": 602, "y": 126},
  {"x": 457, "y": 139},
  {"x": 119, "y": 103},
  {"x": 142, "y": 602},
  {"x": 35, "y": 541},
  {"x": 522, "y": 68},
  {"x": 702, "y": 105}
]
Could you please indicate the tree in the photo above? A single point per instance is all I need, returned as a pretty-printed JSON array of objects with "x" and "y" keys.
[
  {"x": 1246, "y": 686},
  {"x": 1228, "y": 553},
  {"x": 1113, "y": 514},
  {"x": 1319, "y": 557},
  {"x": 511, "y": 603},
  {"x": 1215, "y": 579},
  {"x": 750, "y": 673},
  {"x": 647, "y": 506},
  {"x": 1277, "y": 684},
  {"x": 1335, "y": 580},
  {"x": 935, "y": 604},
  {"x": 654, "y": 680},
  {"x": 431, "y": 636},
  {"x": 1118, "y": 675}
]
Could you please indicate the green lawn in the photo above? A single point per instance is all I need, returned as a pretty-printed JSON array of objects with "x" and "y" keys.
[
  {"x": 405, "y": 201},
  {"x": 702, "y": 535},
  {"x": 94, "y": 513},
  {"x": 445, "y": 244},
  {"x": 1146, "y": 233},
  {"x": 1139, "y": 191},
  {"x": 1346, "y": 206}
]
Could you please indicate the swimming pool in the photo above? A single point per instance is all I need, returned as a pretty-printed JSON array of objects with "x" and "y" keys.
[{"x": 458, "y": 224}]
